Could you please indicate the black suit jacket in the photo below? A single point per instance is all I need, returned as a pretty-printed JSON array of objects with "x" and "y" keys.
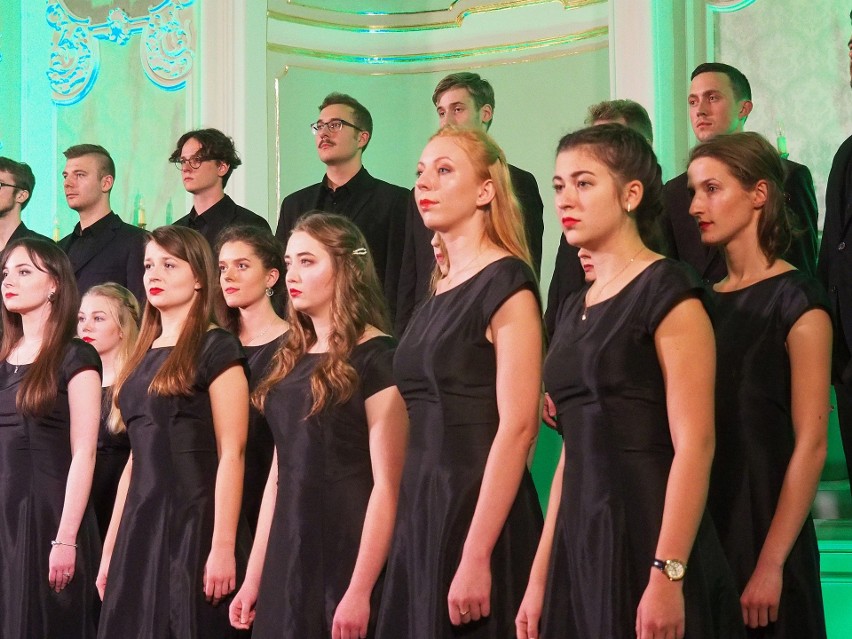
[
  {"x": 685, "y": 239},
  {"x": 834, "y": 268},
  {"x": 418, "y": 258},
  {"x": 377, "y": 208},
  {"x": 23, "y": 231},
  {"x": 220, "y": 216},
  {"x": 117, "y": 256}
]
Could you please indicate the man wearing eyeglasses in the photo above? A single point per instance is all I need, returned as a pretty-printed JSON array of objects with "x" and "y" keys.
[
  {"x": 102, "y": 247},
  {"x": 206, "y": 158},
  {"x": 16, "y": 188},
  {"x": 377, "y": 208}
]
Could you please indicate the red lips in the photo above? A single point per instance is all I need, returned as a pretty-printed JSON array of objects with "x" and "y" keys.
[
  {"x": 88, "y": 340},
  {"x": 426, "y": 204},
  {"x": 569, "y": 222},
  {"x": 294, "y": 292},
  {"x": 155, "y": 291}
]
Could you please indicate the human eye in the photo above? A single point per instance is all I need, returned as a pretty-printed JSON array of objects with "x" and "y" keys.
[
  {"x": 458, "y": 109},
  {"x": 335, "y": 125},
  {"x": 148, "y": 266},
  {"x": 81, "y": 318},
  {"x": 557, "y": 187},
  {"x": 305, "y": 261}
]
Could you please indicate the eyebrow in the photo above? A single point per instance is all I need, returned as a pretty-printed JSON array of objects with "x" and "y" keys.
[{"x": 452, "y": 104}]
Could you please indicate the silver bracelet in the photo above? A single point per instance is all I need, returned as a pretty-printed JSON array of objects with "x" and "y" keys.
[{"x": 53, "y": 542}]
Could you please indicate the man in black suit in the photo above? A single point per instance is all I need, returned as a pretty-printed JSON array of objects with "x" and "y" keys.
[
  {"x": 719, "y": 104},
  {"x": 342, "y": 133},
  {"x": 16, "y": 188},
  {"x": 568, "y": 273},
  {"x": 834, "y": 269},
  {"x": 101, "y": 247},
  {"x": 206, "y": 158},
  {"x": 467, "y": 100}
]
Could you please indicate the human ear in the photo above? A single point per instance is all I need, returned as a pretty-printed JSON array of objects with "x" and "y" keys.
[{"x": 486, "y": 193}]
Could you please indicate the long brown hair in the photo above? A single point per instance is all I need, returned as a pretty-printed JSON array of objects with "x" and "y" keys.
[
  {"x": 177, "y": 373},
  {"x": 124, "y": 310},
  {"x": 269, "y": 251},
  {"x": 38, "y": 389},
  {"x": 356, "y": 302},
  {"x": 750, "y": 158},
  {"x": 503, "y": 221}
]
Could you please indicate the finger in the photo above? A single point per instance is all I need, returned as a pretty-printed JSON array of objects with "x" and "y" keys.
[
  {"x": 335, "y": 630},
  {"x": 485, "y": 608},
  {"x": 681, "y": 630},
  {"x": 773, "y": 613},
  {"x": 763, "y": 616},
  {"x": 455, "y": 616},
  {"x": 475, "y": 613}
]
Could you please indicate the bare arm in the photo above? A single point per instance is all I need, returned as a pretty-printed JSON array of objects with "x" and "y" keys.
[
  {"x": 529, "y": 614},
  {"x": 685, "y": 348},
  {"x": 387, "y": 420},
  {"x": 515, "y": 330},
  {"x": 84, "y": 401},
  {"x": 242, "y": 610},
  {"x": 229, "y": 405},
  {"x": 809, "y": 347}
]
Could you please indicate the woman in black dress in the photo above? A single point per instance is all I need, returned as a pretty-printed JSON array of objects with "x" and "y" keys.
[
  {"x": 340, "y": 431},
  {"x": 251, "y": 267},
  {"x": 171, "y": 553},
  {"x": 109, "y": 320},
  {"x": 627, "y": 548},
  {"x": 49, "y": 396},
  {"x": 773, "y": 339},
  {"x": 469, "y": 368}
]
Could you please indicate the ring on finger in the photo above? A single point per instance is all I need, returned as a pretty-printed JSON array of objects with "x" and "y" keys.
[{"x": 464, "y": 612}]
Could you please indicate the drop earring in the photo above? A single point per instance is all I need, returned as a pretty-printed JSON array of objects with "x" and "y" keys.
[
  {"x": 269, "y": 292},
  {"x": 51, "y": 296}
]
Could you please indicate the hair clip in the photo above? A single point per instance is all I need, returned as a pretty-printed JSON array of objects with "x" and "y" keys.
[{"x": 359, "y": 251}]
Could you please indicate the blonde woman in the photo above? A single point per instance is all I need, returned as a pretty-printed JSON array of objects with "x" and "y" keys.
[{"x": 109, "y": 320}]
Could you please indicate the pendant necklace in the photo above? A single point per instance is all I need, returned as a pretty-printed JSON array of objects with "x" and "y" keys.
[{"x": 586, "y": 303}]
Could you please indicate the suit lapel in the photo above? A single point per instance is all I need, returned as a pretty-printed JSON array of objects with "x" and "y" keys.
[{"x": 91, "y": 249}]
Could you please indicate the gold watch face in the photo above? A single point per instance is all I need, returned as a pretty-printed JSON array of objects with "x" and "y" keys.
[{"x": 674, "y": 570}]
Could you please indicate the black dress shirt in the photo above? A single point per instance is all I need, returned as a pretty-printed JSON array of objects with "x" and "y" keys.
[
  {"x": 109, "y": 250},
  {"x": 376, "y": 207},
  {"x": 218, "y": 217}
]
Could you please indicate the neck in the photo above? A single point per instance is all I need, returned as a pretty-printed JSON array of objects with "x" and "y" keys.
[
  {"x": 745, "y": 261},
  {"x": 610, "y": 256},
  {"x": 8, "y": 224},
  {"x": 108, "y": 367},
  {"x": 32, "y": 324},
  {"x": 256, "y": 318},
  {"x": 203, "y": 200},
  {"x": 339, "y": 174},
  {"x": 322, "y": 328},
  {"x": 171, "y": 323},
  {"x": 94, "y": 214},
  {"x": 465, "y": 244}
]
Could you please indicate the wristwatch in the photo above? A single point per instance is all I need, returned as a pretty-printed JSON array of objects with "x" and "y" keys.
[{"x": 674, "y": 569}]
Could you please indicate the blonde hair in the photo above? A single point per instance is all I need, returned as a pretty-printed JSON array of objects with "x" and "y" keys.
[
  {"x": 503, "y": 221},
  {"x": 124, "y": 311},
  {"x": 356, "y": 303},
  {"x": 177, "y": 373}
]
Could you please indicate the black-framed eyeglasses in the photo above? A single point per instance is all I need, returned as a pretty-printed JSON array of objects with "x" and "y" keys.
[
  {"x": 194, "y": 162},
  {"x": 12, "y": 186},
  {"x": 333, "y": 126}
]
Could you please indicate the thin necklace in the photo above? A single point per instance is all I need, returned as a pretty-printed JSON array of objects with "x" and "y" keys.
[
  {"x": 464, "y": 268},
  {"x": 261, "y": 334},
  {"x": 587, "y": 304},
  {"x": 17, "y": 351}
]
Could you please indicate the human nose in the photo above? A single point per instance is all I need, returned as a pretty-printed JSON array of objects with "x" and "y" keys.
[
  {"x": 227, "y": 273},
  {"x": 84, "y": 325},
  {"x": 564, "y": 198},
  {"x": 291, "y": 275}
]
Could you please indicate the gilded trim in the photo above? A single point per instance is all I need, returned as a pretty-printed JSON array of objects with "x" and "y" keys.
[
  {"x": 372, "y": 27},
  {"x": 441, "y": 56}
]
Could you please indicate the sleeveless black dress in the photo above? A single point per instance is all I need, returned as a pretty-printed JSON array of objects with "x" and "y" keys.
[
  {"x": 35, "y": 456},
  {"x": 755, "y": 440},
  {"x": 446, "y": 370},
  {"x": 113, "y": 452},
  {"x": 155, "y": 580},
  {"x": 325, "y": 479},
  {"x": 259, "y": 444},
  {"x": 604, "y": 375}
]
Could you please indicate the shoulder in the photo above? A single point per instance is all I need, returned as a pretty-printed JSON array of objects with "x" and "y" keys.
[
  {"x": 126, "y": 229},
  {"x": 795, "y": 172},
  {"x": 391, "y": 189},
  {"x": 501, "y": 279},
  {"x": 800, "y": 289},
  {"x": 80, "y": 356},
  {"x": 677, "y": 183},
  {"x": 669, "y": 273},
  {"x": 294, "y": 198},
  {"x": 373, "y": 360}
]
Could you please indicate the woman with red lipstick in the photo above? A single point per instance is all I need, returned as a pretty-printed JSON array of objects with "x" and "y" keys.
[
  {"x": 109, "y": 320},
  {"x": 469, "y": 370},
  {"x": 49, "y": 398},
  {"x": 251, "y": 268},
  {"x": 627, "y": 548},
  {"x": 171, "y": 553},
  {"x": 340, "y": 430},
  {"x": 773, "y": 342}
]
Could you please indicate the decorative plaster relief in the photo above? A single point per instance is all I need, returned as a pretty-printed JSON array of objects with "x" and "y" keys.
[{"x": 166, "y": 47}]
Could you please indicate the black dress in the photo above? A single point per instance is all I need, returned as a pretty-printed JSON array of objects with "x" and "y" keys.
[
  {"x": 35, "y": 456},
  {"x": 113, "y": 452},
  {"x": 604, "y": 375},
  {"x": 755, "y": 440},
  {"x": 154, "y": 585},
  {"x": 259, "y": 444},
  {"x": 446, "y": 371},
  {"x": 325, "y": 477}
]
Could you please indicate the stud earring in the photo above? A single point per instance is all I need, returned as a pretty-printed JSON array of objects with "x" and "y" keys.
[{"x": 51, "y": 296}]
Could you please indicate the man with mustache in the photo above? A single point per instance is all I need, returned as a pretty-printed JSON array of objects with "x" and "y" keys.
[{"x": 341, "y": 134}]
